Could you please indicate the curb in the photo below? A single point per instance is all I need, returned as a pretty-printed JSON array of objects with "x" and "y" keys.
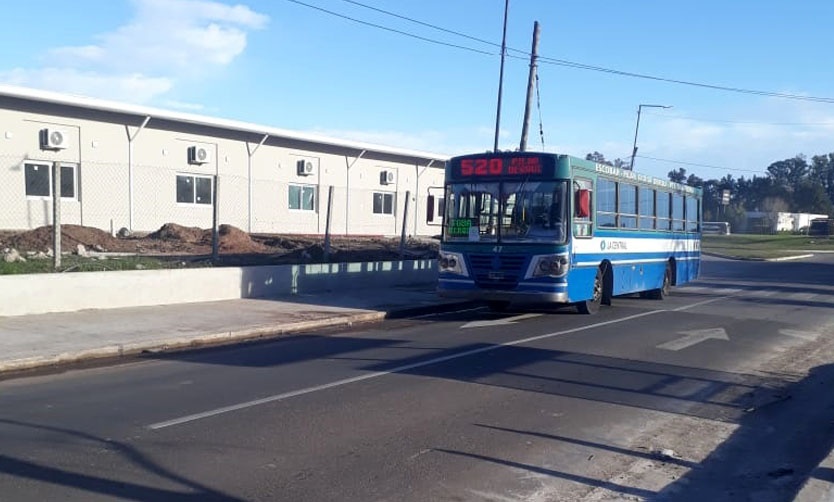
[
  {"x": 786, "y": 258},
  {"x": 742, "y": 258},
  {"x": 262, "y": 332}
]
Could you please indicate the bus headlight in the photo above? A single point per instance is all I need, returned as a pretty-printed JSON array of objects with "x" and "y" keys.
[
  {"x": 451, "y": 263},
  {"x": 549, "y": 265}
]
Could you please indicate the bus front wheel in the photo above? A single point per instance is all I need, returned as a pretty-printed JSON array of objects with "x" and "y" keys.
[
  {"x": 591, "y": 305},
  {"x": 498, "y": 306}
]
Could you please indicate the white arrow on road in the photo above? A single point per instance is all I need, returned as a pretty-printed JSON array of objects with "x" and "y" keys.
[
  {"x": 804, "y": 335},
  {"x": 691, "y": 338},
  {"x": 498, "y": 322}
]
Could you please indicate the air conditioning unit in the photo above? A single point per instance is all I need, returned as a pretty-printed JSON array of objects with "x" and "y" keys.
[
  {"x": 305, "y": 168},
  {"x": 54, "y": 139},
  {"x": 199, "y": 155},
  {"x": 387, "y": 177}
]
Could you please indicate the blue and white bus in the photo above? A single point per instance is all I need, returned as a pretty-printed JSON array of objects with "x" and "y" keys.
[{"x": 524, "y": 227}]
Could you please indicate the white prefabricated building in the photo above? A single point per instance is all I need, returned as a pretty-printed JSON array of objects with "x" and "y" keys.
[{"x": 134, "y": 167}]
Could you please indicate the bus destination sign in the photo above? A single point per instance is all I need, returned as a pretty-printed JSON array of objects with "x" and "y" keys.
[{"x": 503, "y": 166}]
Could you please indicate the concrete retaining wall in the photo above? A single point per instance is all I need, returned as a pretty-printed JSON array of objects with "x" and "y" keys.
[{"x": 67, "y": 292}]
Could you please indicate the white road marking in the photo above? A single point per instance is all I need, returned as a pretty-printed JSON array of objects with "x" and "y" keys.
[
  {"x": 377, "y": 374},
  {"x": 499, "y": 322},
  {"x": 693, "y": 289},
  {"x": 694, "y": 337},
  {"x": 803, "y": 335},
  {"x": 692, "y": 306},
  {"x": 726, "y": 291}
]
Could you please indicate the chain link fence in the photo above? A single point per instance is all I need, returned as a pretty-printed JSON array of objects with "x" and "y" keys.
[{"x": 194, "y": 214}]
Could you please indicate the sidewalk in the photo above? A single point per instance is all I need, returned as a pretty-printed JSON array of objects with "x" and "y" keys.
[{"x": 35, "y": 341}]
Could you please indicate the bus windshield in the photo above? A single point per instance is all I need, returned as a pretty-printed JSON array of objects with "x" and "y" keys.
[{"x": 523, "y": 211}]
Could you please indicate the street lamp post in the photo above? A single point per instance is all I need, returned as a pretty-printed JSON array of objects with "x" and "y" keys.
[{"x": 637, "y": 128}]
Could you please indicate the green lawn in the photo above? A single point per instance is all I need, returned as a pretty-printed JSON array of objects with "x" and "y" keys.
[
  {"x": 74, "y": 263},
  {"x": 764, "y": 246}
]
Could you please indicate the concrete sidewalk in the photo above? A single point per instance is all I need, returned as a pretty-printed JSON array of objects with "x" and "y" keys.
[{"x": 36, "y": 341}]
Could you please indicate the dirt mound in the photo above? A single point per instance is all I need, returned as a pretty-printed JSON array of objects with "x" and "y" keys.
[
  {"x": 174, "y": 232},
  {"x": 177, "y": 240},
  {"x": 40, "y": 239},
  {"x": 235, "y": 241}
]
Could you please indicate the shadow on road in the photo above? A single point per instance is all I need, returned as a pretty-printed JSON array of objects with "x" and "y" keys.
[
  {"x": 777, "y": 446},
  {"x": 773, "y": 451},
  {"x": 95, "y": 481},
  {"x": 711, "y": 394},
  {"x": 625, "y": 490}
]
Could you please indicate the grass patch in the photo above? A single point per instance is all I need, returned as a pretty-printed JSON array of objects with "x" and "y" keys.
[
  {"x": 764, "y": 246},
  {"x": 74, "y": 263}
]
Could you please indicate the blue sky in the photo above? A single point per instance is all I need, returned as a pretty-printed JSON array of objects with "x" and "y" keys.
[{"x": 284, "y": 64}]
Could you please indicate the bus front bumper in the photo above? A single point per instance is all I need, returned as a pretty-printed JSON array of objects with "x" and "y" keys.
[{"x": 521, "y": 295}]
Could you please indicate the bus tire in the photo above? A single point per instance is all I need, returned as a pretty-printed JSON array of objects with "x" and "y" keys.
[
  {"x": 607, "y": 283},
  {"x": 591, "y": 306},
  {"x": 663, "y": 291},
  {"x": 497, "y": 305}
]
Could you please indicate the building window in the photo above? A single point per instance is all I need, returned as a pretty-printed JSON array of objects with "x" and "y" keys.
[
  {"x": 302, "y": 197},
  {"x": 38, "y": 180},
  {"x": 193, "y": 189},
  {"x": 383, "y": 203}
]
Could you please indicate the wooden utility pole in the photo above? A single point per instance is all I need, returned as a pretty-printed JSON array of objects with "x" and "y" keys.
[{"x": 531, "y": 81}]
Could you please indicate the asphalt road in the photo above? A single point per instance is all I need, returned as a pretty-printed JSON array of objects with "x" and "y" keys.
[{"x": 692, "y": 398}]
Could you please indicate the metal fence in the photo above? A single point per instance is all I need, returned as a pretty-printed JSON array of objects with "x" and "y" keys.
[{"x": 147, "y": 210}]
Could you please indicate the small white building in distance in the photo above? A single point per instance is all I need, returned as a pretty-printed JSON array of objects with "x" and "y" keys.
[
  {"x": 765, "y": 222},
  {"x": 126, "y": 166}
]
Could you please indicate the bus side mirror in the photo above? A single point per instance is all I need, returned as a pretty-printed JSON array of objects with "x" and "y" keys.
[
  {"x": 430, "y": 209},
  {"x": 583, "y": 203}
]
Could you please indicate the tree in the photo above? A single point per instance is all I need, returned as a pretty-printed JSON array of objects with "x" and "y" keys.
[
  {"x": 622, "y": 164},
  {"x": 789, "y": 172},
  {"x": 678, "y": 176},
  {"x": 811, "y": 197},
  {"x": 598, "y": 158},
  {"x": 822, "y": 172},
  {"x": 694, "y": 181}
]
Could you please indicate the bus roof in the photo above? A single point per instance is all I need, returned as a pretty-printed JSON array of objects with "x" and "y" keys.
[{"x": 588, "y": 165}]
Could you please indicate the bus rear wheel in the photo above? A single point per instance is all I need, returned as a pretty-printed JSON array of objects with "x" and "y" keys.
[
  {"x": 664, "y": 290},
  {"x": 591, "y": 305}
]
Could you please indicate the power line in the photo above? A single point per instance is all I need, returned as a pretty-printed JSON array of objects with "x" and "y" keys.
[
  {"x": 421, "y": 23},
  {"x": 404, "y": 33},
  {"x": 524, "y": 54},
  {"x": 741, "y": 122},
  {"x": 554, "y": 61},
  {"x": 694, "y": 164},
  {"x": 581, "y": 66}
]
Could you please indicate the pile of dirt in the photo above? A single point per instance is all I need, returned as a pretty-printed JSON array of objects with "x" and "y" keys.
[
  {"x": 233, "y": 240},
  {"x": 40, "y": 239},
  {"x": 180, "y": 241},
  {"x": 174, "y": 232}
]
